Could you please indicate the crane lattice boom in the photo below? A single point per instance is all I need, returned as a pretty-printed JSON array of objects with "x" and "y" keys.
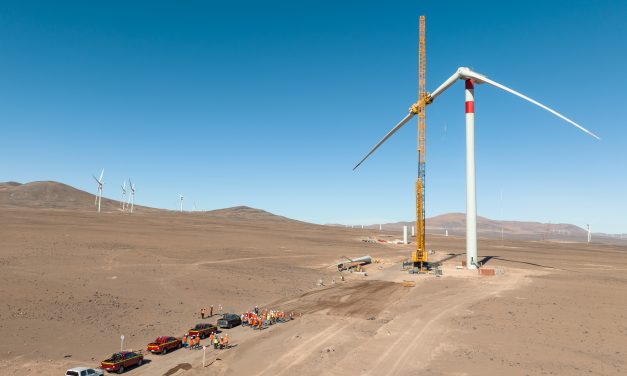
[{"x": 419, "y": 256}]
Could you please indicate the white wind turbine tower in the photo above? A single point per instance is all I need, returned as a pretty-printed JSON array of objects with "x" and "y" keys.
[
  {"x": 123, "y": 186},
  {"x": 99, "y": 194},
  {"x": 131, "y": 196},
  {"x": 471, "y": 78},
  {"x": 181, "y": 202}
]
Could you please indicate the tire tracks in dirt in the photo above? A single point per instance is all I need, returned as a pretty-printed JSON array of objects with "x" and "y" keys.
[{"x": 298, "y": 353}]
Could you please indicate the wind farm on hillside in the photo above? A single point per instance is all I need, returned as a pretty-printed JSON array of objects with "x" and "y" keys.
[{"x": 288, "y": 265}]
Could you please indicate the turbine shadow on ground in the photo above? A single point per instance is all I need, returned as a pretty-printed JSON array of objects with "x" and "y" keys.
[{"x": 487, "y": 259}]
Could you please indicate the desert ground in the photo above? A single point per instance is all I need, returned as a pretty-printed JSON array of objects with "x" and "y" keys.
[{"x": 73, "y": 281}]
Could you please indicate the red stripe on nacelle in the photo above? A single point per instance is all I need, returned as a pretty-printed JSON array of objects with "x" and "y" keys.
[{"x": 470, "y": 107}]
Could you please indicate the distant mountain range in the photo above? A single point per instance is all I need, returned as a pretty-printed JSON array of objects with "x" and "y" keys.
[
  {"x": 55, "y": 195},
  {"x": 455, "y": 225}
]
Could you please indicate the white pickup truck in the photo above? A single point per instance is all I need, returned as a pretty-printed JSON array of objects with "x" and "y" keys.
[{"x": 84, "y": 371}]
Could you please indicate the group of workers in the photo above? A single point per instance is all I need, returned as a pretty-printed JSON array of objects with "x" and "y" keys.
[
  {"x": 257, "y": 320},
  {"x": 218, "y": 342},
  {"x": 203, "y": 311},
  {"x": 191, "y": 342}
]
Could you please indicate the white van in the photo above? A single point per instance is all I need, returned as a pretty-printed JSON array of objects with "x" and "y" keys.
[{"x": 84, "y": 371}]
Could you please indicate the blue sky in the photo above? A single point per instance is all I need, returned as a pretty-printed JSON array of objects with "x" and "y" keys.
[{"x": 270, "y": 104}]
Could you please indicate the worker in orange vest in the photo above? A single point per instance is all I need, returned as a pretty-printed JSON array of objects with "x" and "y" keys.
[
  {"x": 185, "y": 340},
  {"x": 226, "y": 341},
  {"x": 197, "y": 342},
  {"x": 211, "y": 337}
]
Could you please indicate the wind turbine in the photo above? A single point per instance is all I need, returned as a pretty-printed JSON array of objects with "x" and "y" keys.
[
  {"x": 471, "y": 78},
  {"x": 181, "y": 201},
  {"x": 123, "y": 194},
  {"x": 99, "y": 194},
  {"x": 131, "y": 197}
]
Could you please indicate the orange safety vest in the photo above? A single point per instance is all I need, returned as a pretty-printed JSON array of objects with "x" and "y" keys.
[{"x": 185, "y": 339}]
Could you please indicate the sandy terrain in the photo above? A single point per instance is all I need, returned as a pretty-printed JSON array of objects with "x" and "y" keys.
[{"x": 72, "y": 282}]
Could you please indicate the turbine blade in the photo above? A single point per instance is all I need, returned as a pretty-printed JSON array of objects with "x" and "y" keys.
[
  {"x": 101, "y": 175},
  {"x": 390, "y": 133},
  {"x": 96, "y": 179},
  {"x": 482, "y": 78}
]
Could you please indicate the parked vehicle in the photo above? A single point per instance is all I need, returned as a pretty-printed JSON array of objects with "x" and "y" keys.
[
  {"x": 84, "y": 371},
  {"x": 120, "y": 361},
  {"x": 203, "y": 330},
  {"x": 229, "y": 320},
  {"x": 162, "y": 345}
]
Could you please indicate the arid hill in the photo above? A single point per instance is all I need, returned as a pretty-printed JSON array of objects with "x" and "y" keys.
[
  {"x": 248, "y": 214},
  {"x": 50, "y": 195},
  {"x": 455, "y": 224},
  {"x": 55, "y": 195}
]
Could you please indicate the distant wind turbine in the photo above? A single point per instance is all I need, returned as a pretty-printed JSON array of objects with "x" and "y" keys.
[
  {"x": 181, "y": 202},
  {"x": 131, "y": 196},
  {"x": 99, "y": 194},
  {"x": 123, "y": 186}
]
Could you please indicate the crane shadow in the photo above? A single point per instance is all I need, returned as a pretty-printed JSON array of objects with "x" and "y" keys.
[
  {"x": 487, "y": 259},
  {"x": 448, "y": 257}
]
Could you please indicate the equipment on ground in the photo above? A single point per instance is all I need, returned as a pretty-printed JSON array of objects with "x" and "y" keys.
[{"x": 353, "y": 263}]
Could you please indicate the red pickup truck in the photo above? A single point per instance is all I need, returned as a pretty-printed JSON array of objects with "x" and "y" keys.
[
  {"x": 122, "y": 360},
  {"x": 202, "y": 330},
  {"x": 162, "y": 345}
]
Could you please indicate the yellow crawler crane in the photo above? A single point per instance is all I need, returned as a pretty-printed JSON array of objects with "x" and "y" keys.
[{"x": 419, "y": 256}]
